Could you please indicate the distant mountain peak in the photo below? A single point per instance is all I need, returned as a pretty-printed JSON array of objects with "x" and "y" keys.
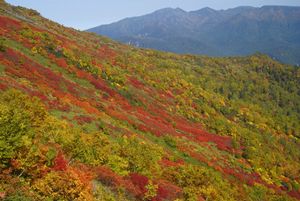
[
  {"x": 207, "y": 9},
  {"x": 170, "y": 10},
  {"x": 204, "y": 11},
  {"x": 179, "y": 9}
]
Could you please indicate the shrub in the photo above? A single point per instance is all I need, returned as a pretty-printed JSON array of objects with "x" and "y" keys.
[
  {"x": 19, "y": 115},
  {"x": 62, "y": 185},
  {"x": 142, "y": 157}
]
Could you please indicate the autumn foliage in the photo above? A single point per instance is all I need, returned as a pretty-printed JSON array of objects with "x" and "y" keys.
[{"x": 83, "y": 117}]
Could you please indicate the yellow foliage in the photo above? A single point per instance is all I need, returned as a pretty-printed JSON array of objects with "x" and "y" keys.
[
  {"x": 151, "y": 190},
  {"x": 34, "y": 50},
  {"x": 62, "y": 185}
]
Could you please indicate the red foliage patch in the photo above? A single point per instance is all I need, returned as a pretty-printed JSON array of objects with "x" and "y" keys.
[
  {"x": 29, "y": 69},
  {"x": 80, "y": 103},
  {"x": 222, "y": 142},
  {"x": 60, "y": 163},
  {"x": 106, "y": 53},
  {"x": 40, "y": 95},
  {"x": 140, "y": 182},
  {"x": 167, "y": 191},
  {"x": 101, "y": 85},
  {"x": 98, "y": 83},
  {"x": 11, "y": 83},
  {"x": 61, "y": 62},
  {"x": 136, "y": 83},
  {"x": 154, "y": 124},
  {"x": 84, "y": 173},
  {"x": 57, "y": 105},
  {"x": 9, "y": 23},
  {"x": 24, "y": 67},
  {"x": 83, "y": 119},
  {"x": 295, "y": 194},
  {"x": 108, "y": 177},
  {"x": 169, "y": 94},
  {"x": 167, "y": 163},
  {"x": 252, "y": 178},
  {"x": 2, "y": 86},
  {"x": 119, "y": 115}
]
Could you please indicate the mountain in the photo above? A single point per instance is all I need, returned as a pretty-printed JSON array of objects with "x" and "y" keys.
[
  {"x": 273, "y": 30},
  {"x": 83, "y": 117}
]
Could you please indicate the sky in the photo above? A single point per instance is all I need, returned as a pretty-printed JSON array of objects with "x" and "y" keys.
[{"x": 84, "y": 14}]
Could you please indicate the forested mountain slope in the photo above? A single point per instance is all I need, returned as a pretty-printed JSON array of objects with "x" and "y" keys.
[
  {"x": 83, "y": 117},
  {"x": 273, "y": 30}
]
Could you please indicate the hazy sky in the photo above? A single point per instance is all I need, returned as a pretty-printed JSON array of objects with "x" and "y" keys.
[{"x": 83, "y": 14}]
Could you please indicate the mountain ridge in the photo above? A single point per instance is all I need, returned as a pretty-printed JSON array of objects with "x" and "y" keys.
[{"x": 273, "y": 30}]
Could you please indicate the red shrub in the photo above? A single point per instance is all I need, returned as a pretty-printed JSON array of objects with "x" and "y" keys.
[
  {"x": 82, "y": 104},
  {"x": 102, "y": 86},
  {"x": 167, "y": 191},
  {"x": 106, "y": 53},
  {"x": 108, "y": 177},
  {"x": 39, "y": 95},
  {"x": 60, "y": 163},
  {"x": 154, "y": 124},
  {"x": 295, "y": 194},
  {"x": 140, "y": 182},
  {"x": 119, "y": 115},
  {"x": 62, "y": 63},
  {"x": 136, "y": 83},
  {"x": 83, "y": 119},
  {"x": 9, "y": 23},
  {"x": 222, "y": 142},
  {"x": 168, "y": 163},
  {"x": 72, "y": 88},
  {"x": 2, "y": 87}
]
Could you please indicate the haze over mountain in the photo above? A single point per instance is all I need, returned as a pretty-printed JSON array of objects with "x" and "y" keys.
[{"x": 274, "y": 30}]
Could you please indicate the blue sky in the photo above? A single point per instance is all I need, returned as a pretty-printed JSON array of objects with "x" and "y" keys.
[{"x": 84, "y": 14}]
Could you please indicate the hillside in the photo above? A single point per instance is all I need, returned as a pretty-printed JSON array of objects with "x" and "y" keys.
[
  {"x": 83, "y": 117},
  {"x": 241, "y": 31}
]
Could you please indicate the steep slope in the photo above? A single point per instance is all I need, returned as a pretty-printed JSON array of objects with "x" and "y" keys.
[
  {"x": 83, "y": 117},
  {"x": 273, "y": 30}
]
